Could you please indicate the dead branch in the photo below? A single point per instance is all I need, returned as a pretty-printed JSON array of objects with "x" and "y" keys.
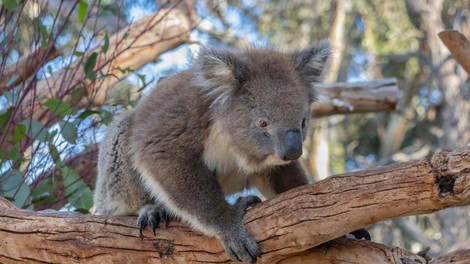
[
  {"x": 288, "y": 224},
  {"x": 360, "y": 97},
  {"x": 458, "y": 45}
]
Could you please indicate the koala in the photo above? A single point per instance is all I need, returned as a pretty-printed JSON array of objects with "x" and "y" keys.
[{"x": 233, "y": 120}]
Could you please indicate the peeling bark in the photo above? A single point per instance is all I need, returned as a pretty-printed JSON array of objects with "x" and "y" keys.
[{"x": 290, "y": 223}]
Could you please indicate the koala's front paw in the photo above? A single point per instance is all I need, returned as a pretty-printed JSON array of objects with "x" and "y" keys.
[
  {"x": 240, "y": 246},
  {"x": 152, "y": 215},
  {"x": 243, "y": 203}
]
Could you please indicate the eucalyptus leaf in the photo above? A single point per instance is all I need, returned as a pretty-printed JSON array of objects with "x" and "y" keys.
[
  {"x": 59, "y": 107},
  {"x": 82, "y": 10},
  {"x": 90, "y": 65},
  {"x": 36, "y": 130}
]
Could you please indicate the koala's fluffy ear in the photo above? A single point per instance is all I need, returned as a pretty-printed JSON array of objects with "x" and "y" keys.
[
  {"x": 312, "y": 63},
  {"x": 219, "y": 73}
]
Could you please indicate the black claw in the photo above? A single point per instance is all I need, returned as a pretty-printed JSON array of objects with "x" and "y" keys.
[
  {"x": 166, "y": 219},
  {"x": 141, "y": 234},
  {"x": 361, "y": 233}
]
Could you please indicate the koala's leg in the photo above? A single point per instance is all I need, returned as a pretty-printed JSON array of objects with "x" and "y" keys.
[{"x": 194, "y": 195}]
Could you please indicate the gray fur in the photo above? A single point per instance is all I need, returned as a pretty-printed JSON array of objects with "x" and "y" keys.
[{"x": 216, "y": 129}]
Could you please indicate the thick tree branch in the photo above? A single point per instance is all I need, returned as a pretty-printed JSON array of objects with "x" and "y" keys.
[
  {"x": 461, "y": 256},
  {"x": 458, "y": 45},
  {"x": 360, "y": 97},
  {"x": 288, "y": 224}
]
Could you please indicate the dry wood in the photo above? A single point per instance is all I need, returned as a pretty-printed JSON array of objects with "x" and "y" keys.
[
  {"x": 458, "y": 45},
  {"x": 360, "y": 97},
  {"x": 346, "y": 251},
  {"x": 290, "y": 223},
  {"x": 461, "y": 256}
]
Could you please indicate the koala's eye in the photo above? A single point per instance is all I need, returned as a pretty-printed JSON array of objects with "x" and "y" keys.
[
  {"x": 303, "y": 122},
  {"x": 263, "y": 123}
]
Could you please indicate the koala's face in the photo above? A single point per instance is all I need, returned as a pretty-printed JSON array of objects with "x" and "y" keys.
[
  {"x": 262, "y": 99},
  {"x": 268, "y": 118}
]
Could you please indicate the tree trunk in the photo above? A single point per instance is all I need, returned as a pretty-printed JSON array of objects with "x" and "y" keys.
[{"x": 287, "y": 225}]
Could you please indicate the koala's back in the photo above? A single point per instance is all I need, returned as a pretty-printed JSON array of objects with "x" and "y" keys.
[
  {"x": 118, "y": 190},
  {"x": 175, "y": 117}
]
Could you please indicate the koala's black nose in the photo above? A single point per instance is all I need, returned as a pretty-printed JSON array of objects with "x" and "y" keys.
[{"x": 292, "y": 145}]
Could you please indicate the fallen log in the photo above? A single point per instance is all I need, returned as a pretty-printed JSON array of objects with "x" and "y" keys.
[{"x": 288, "y": 225}]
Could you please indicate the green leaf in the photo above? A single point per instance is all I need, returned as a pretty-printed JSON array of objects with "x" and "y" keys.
[
  {"x": 82, "y": 10},
  {"x": 55, "y": 155},
  {"x": 11, "y": 180},
  {"x": 68, "y": 130},
  {"x": 13, "y": 154},
  {"x": 44, "y": 36},
  {"x": 72, "y": 181},
  {"x": 87, "y": 113},
  {"x": 12, "y": 80},
  {"x": 19, "y": 134},
  {"x": 42, "y": 193},
  {"x": 105, "y": 47},
  {"x": 78, "y": 53},
  {"x": 106, "y": 117},
  {"x": 21, "y": 196},
  {"x": 10, "y": 4},
  {"x": 82, "y": 200},
  {"x": 89, "y": 65},
  {"x": 4, "y": 120},
  {"x": 36, "y": 130},
  {"x": 59, "y": 107}
]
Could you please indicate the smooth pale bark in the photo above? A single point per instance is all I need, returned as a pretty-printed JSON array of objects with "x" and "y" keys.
[
  {"x": 458, "y": 45},
  {"x": 360, "y": 97},
  {"x": 290, "y": 223}
]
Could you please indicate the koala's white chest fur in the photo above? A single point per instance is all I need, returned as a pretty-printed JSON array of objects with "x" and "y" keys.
[{"x": 232, "y": 169}]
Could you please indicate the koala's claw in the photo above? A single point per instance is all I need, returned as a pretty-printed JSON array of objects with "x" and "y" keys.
[
  {"x": 361, "y": 233},
  {"x": 243, "y": 203},
  {"x": 243, "y": 248},
  {"x": 152, "y": 215}
]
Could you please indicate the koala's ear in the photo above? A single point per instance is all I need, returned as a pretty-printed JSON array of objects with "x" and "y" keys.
[
  {"x": 219, "y": 73},
  {"x": 312, "y": 63}
]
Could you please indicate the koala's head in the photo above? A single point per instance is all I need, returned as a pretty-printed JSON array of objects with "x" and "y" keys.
[{"x": 262, "y": 98}]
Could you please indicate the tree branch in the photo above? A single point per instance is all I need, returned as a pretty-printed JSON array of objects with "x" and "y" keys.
[
  {"x": 360, "y": 97},
  {"x": 288, "y": 224},
  {"x": 458, "y": 45}
]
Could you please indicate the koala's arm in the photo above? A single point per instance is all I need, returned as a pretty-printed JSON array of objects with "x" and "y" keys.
[
  {"x": 194, "y": 195},
  {"x": 280, "y": 179},
  {"x": 287, "y": 177}
]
